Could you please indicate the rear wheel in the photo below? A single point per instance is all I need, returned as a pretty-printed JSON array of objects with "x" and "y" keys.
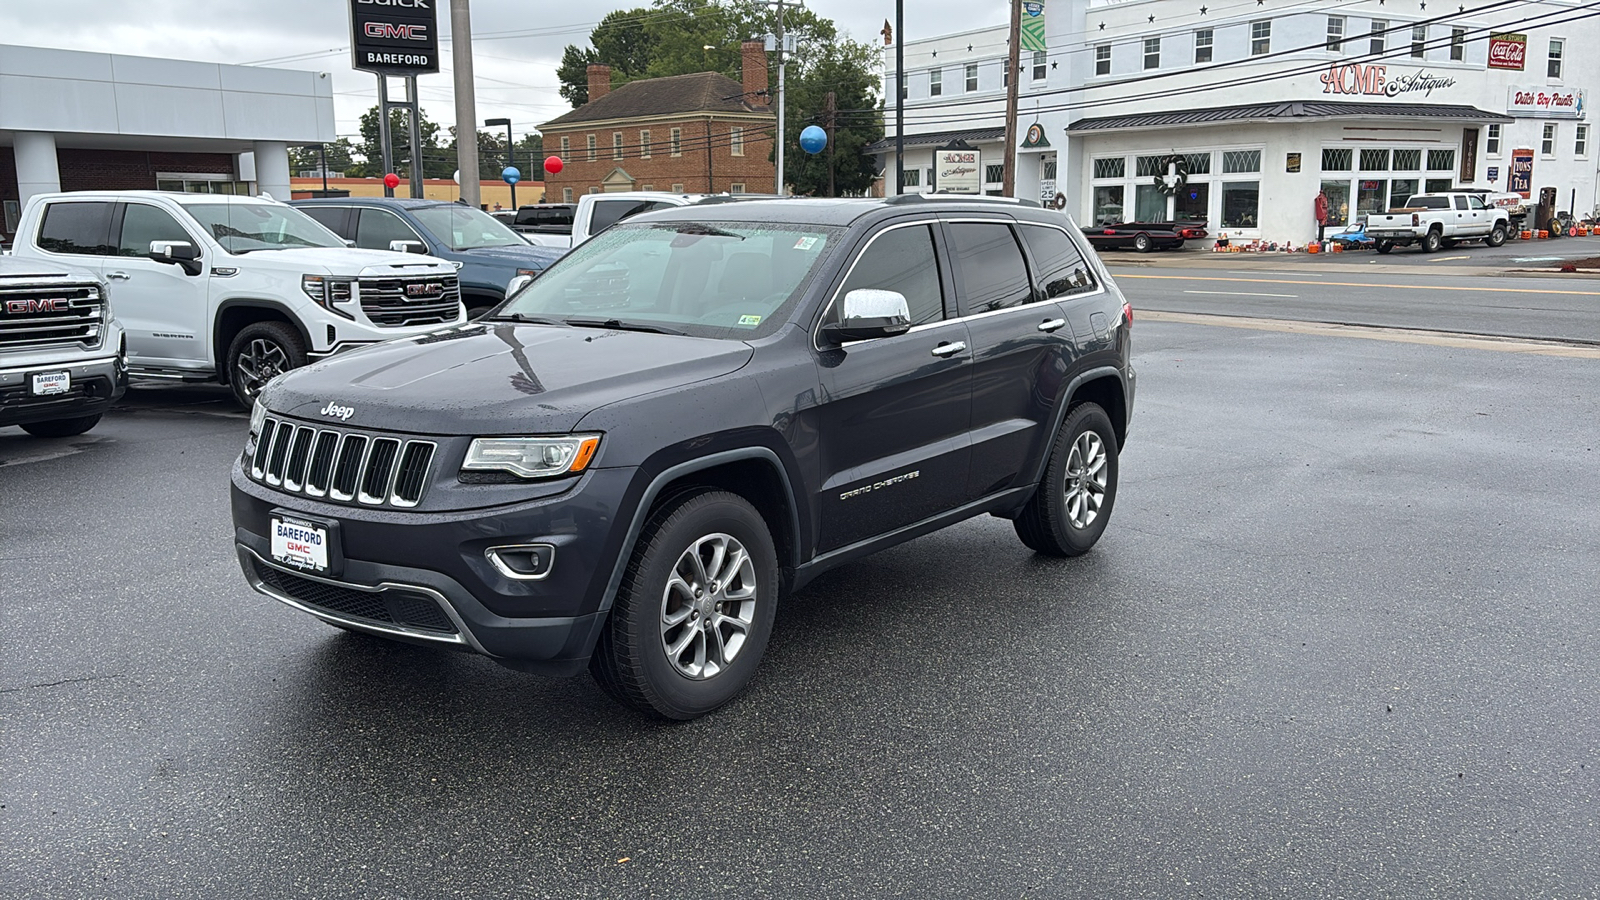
[
  {"x": 260, "y": 352},
  {"x": 1496, "y": 237},
  {"x": 1383, "y": 246},
  {"x": 695, "y": 609},
  {"x": 1069, "y": 510},
  {"x": 1141, "y": 243},
  {"x": 1432, "y": 241},
  {"x": 62, "y": 427}
]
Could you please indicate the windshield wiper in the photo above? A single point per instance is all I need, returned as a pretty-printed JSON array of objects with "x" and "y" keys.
[
  {"x": 699, "y": 229},
  {"x": 520, "y": 319},
  {"x": 619, "y": 325}
]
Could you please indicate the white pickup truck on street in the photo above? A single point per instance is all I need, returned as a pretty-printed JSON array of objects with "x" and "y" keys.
[
  {"x": 1436, "y": 221},
  {"x": 597, "y": 212},
  {"x": 235, "y": 289}
]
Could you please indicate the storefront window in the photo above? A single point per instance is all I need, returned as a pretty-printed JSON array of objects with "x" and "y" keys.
[
  {"x": 1199, "y": 163},
  {"x": 1435, "y": 185},
  {"x": 1338, "y": 194},
  {"x": 1241, "y": 202},
  {"x": 1441, "y": 160},
  {"x": 1108, "y": 204},
  {"x": 1241, "y": 161},
  {"x": 1149, "y": 204},
  {"x": 1374, "y": 160},
  {"x": 1373, "y": 196},
  {"x": 1146, "y": 166},
  {"x": 1111, "y": 167},
  {"x": 1408, "y": 160},
  {"x": 1337, "y": 159},
  {"x": 1194, "y": 203},
  {"x": 1400, "y": 191}
]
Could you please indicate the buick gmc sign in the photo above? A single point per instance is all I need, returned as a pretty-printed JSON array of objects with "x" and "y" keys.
[{"x": 395, "y": 37}]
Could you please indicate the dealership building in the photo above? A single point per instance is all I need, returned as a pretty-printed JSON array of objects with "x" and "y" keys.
[
  {"x": 1241, "y": 115},
  {"x": 95, "y": 121}
]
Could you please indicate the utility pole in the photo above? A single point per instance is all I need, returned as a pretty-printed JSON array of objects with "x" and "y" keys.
[
  {"x": 466, "y": 104},
  {"x": 830, "y": 109},
  {"x": 781, "y": 138},
  {"x": 1014, "y": 46},
  {"x": 899, "y": 97}
]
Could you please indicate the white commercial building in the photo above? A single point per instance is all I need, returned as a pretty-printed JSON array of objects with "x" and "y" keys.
[
  {"x": 93, "y": 121},
  {"x": 1240, "y": 115}
]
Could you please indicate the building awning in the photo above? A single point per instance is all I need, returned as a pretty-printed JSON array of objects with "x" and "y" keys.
[
  {"x": 1295, "y": 111},
  {"x": 939, "y": 139}
]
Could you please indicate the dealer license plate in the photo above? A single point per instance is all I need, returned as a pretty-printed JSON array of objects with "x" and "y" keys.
[
  {"x": 302, "y": 545},
  {"x": 46, "y": 384}
]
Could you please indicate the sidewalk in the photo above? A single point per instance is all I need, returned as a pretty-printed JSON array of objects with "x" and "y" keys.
[{"x": 1458, "y": 264}]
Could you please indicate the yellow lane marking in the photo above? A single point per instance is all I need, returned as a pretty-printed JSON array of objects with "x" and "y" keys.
[
  {"x": 1394, "y": 335},
  {"x": 1447, "y": 258},
  {"x": 1409, "y": 287}
]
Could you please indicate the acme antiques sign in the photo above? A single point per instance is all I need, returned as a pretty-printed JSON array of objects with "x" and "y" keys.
[{"x": 1357, "y": 78}]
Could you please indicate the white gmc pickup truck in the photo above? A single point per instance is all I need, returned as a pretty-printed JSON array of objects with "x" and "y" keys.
[
  {"x": 235, "y": 289},
  {"x": 1439, "y": 220}
]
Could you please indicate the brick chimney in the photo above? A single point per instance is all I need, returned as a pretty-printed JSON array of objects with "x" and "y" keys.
[
  {"x": 599, "y": 82},
  {"x": 754, "y": 56}
]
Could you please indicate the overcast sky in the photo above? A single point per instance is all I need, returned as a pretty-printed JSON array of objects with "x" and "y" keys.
[{"x": 517, "y": 47}]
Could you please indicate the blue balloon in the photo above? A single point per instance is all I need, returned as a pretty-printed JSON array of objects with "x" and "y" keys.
[
  {"x": 813, "y": 139},
  {"x": 510, "y": 175}
]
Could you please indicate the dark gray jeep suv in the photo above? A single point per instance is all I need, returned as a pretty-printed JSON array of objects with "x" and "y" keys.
[{"x": 627, "y": 463}]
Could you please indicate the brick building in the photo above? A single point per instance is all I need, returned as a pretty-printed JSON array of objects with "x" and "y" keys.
[{"x": 700, "y": 133}]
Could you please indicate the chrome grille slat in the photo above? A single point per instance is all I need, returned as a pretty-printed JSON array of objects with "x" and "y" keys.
[
  {"x": 386, "y": 303},
  {"x": 34, "y": 329},
  {"x": 341, "y": 466}
]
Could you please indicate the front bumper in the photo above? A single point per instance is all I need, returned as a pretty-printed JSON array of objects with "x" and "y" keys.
[
  {"x": 424, "y": 577},
  {"x": 96, "y": 384}
]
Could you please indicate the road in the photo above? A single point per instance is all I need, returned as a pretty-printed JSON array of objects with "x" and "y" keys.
[{"x": 1338, "y": 641}]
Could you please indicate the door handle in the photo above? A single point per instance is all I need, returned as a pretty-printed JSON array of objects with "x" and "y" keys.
[
  {"x": 944, "y": 350},
  {"x": 117, "y": 276},
  {"x": 1049, "y": 325}
]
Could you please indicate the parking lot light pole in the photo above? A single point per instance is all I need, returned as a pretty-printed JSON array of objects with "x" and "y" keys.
[{"x": 511, "y": 152}]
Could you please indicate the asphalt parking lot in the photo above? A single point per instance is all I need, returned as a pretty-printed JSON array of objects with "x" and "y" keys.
[{"x": 1338, "y": 641}]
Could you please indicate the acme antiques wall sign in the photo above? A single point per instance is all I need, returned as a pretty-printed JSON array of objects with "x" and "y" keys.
[{"x": 1357, "y": 78}]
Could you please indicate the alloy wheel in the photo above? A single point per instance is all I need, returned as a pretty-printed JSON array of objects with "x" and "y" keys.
[
  {"x": 1086, "y": 479},
  {"x": 261, "y": 361},
  {"x": 708, "y": 607}
]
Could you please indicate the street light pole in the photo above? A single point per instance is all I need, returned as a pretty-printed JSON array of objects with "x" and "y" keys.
[
  {"x": 466, "y": 103},
  {"x": 511, "y": 153},
  {"x": 899, "y": 97}
]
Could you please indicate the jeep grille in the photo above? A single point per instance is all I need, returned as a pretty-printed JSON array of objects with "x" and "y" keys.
[{"x": 341, "y": 466}]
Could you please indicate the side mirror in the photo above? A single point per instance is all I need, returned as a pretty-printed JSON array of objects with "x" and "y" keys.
[
  {"x": 179, "y": 253},
  {"x": 518, "y": 284},
  {"x": 408, "y": 247},
  {"x": 870, "y": 314}
]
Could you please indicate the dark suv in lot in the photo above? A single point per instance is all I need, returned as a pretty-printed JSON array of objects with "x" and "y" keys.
[{"x": 625, "y": 465}]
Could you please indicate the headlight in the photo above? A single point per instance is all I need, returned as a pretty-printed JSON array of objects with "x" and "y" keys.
[
  {"x": 532, "y": 457},
  {"x": 327, "y": 292}
]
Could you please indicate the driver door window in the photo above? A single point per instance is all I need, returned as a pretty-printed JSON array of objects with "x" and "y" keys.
[
  {"x": 142, "y": 224},
  {"x": 378, "y": 227},
  {"x": 900, "y": 260}
]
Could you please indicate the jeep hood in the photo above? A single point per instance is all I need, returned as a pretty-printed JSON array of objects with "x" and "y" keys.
[{"x": 498, "y": 378}]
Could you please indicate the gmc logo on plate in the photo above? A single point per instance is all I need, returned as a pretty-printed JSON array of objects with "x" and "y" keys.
[
  {"x": 391, "y": 31},
  {"x": 23, "y": 307},
  {"x": 424, "y": 290}
]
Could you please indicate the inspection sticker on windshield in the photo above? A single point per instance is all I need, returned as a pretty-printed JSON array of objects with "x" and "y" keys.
[
  {"x": 750, "y": 320},
  {"x": 805, "y": 243}
]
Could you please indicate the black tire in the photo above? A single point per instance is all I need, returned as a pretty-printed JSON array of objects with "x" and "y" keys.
[
  {"x": 1141, "y": 243},
  {"x": 265, "y": 350},
  {"x": 1432, "y": 241},
  {"x": 1049, "y": 524},
  {"x": 632, "y": 661},
  {"x": 58, "y": 428},
  {"x": 1383, "y": 246},
  {"x": 1449, "y": 243},
  {"x": 1496, "y": 237}
]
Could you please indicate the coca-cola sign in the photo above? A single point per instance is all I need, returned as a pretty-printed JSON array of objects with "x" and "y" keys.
[{"x": 1508, "y": 51}]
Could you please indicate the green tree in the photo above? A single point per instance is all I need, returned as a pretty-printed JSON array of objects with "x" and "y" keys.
[
  {"x": 371, "y": 149},
  {"x": 622, "y": 41},
  {"x": 340, "y": 154},
  {"x": 847, "y": 69}
]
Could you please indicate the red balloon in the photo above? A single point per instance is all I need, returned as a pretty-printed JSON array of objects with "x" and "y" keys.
[
  {"x": 391, "y": 181},
  {"x": 552, "y": 164}
]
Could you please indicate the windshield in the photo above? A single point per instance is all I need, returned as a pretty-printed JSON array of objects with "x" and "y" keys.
[
  {"x": 465, "y": 228},
  {"x": 244, "y": 227},
  {"x": 723, "y": 280}
]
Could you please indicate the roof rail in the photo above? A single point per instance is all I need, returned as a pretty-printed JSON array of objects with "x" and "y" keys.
[{"x": 942, "y": 196}]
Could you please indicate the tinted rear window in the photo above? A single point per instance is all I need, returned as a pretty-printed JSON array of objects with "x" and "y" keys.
[
  {"x": 83, "y": 228},
  {"x": 992, "y": 274},
  {"x": 1429, "y": 202}
]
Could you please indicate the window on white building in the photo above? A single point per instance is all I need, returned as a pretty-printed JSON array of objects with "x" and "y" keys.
[
  {"x": 1458, "y": 44},
  {"x": 1491, "y": 141},
  {"x": 1374, "y": 160},
  {"x": 1040, "y": 65},
  {"x": 1419, "y": 41},
  {"x": 1557, "y": 50},
  {"x": 1337, "y": 159},
  {"x": 1234, "y": 161},
  {"x": 1261, "y": 37},
  {"x": 1202, "y": 46},
  {"x": 1336, "y": 33},
  {"x": 913, "y": 177},
  {"x": 1241, "y": 204},
  {"x": 735, "y": 141},
  {"x": 1110, "y": 167},
  {"x": 1580, "y": 141},
  {"x": 1102, "y": 59},
  {"x": 1408, "y": 160},
  {"x": 972, "y": 77},
  {"x": 1152, "y": 53},
  {"x": 1375, "y": 35},
  {"x": 994, "y": 174},
  {"x": 936, "y": 83},
  {"x": 1547, "y": 144},
  {"x": 1441, "y": 160},
  {"x": 644, "y": 144}
]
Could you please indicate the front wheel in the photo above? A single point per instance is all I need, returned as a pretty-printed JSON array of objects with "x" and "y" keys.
[
  {"x": 56, "y": 428},
  {"x": 695, "y": 609},
  {"x": 259, "y": 353},
  {"x": 1141, "y": 243},
  {"x": 1383, "y": 246},
  {"x": 1068, "y": 511},
  {"x": 1496, "y": 237}
]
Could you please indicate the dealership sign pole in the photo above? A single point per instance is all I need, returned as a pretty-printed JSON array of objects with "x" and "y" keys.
[{"x": 396, "y": 38}]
